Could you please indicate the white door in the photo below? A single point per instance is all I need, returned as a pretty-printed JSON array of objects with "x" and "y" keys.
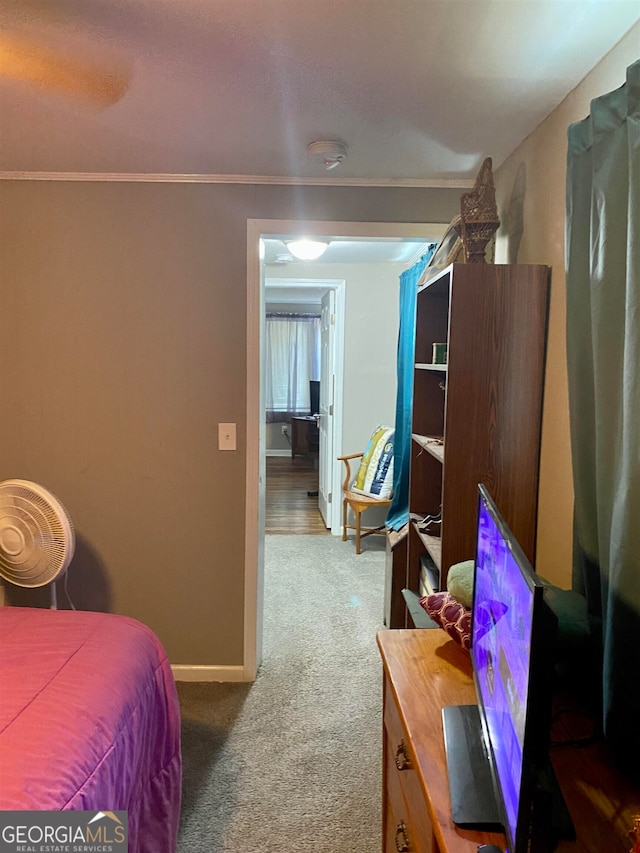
[{"x": 325, "y": 422}]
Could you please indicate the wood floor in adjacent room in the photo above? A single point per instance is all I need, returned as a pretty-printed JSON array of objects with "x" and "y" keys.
[{"x": 289, "y": 509}]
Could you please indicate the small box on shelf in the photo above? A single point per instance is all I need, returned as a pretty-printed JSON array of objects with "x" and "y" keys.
[{"x": 439, "y": 354}]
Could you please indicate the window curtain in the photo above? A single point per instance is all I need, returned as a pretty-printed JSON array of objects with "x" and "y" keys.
[
  {"x": 398, "y": 514},
  {"x": 603, "y": 349},
  {"x": 292, "y": 359}
]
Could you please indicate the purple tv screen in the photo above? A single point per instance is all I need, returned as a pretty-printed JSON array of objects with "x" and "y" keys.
[{"x": 503, "y": 608}]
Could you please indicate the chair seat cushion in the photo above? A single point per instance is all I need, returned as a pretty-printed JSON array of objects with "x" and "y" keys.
[
  {"x": 365, "y": 500},
  {"x": 375, "y": 474}
]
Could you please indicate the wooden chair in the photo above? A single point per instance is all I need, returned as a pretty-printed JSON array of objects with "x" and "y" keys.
[{"x": 358, "y": 504}]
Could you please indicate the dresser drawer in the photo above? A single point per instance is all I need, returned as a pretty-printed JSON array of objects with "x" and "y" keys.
[
  {"x": 397, "y": 840},
  {"x": 400, "y": 769},
  {"x": 400, "y": 835}
]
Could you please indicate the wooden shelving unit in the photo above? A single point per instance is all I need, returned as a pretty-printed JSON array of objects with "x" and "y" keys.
[{"x": 476, "y": 419}]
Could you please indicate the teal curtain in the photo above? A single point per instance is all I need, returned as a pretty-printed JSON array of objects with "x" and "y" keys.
[
  {"x": 603, "y": 349},
  {"x": 398, "y": 514}
]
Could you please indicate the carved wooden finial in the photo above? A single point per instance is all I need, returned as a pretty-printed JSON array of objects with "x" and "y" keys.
[{"x": 478, "y": 219}]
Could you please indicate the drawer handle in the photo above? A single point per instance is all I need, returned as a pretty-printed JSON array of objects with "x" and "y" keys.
[
  {"x": 402, "y": 839},
  {"x": 403, "y": 762}
]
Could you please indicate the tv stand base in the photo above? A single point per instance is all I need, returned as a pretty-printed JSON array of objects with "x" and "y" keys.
[{"x": 474, "y": 800}]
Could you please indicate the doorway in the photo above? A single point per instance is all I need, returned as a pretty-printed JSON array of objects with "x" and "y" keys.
[
  {"x": 324, "y": 299},
  {"x": 255, "y": 430}
]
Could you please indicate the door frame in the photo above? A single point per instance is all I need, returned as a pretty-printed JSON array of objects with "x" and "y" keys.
[
  {"x": 254, "y": 431},
  {"x": 330, "y": 394}
]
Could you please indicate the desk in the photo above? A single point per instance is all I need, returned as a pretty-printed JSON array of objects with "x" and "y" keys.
[
  {"x": 305, "y": 439},
  {"x": 425, "y": 670}
]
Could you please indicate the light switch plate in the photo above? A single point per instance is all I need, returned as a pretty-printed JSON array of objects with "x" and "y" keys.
[{"x": 226, "y": 436}]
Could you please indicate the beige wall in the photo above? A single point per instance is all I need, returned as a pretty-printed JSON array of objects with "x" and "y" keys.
[
  {"x": 541, "y": 162},
  {"x": 370, "y": 352},
  {"x": 122, "y": 345}
]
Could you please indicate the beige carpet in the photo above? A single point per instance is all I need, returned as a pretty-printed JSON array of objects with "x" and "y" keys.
[{"x": 293, "y": 762}]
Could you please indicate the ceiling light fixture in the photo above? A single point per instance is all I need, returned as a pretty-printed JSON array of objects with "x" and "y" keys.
[
  {"x": 331, "y": 153},
  {"x": 305, "y": 249}
]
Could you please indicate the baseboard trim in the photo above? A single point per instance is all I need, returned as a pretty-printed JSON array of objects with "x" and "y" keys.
[
  {"x": 281, "y": 452},
  {"x": 183, "y": 672}
]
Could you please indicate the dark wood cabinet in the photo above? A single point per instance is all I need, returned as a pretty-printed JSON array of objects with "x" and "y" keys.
[
  {"x": 477, "y": 417},
  {"x": 305, "y": 438}
]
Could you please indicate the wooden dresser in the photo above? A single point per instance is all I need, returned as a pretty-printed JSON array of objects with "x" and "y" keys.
[
  {"x": 425, "y": 670},
  {"x": 304, "y": 436}
]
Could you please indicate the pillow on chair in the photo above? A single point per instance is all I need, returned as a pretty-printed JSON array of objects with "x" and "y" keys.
[{"x": 375, "y": 474}]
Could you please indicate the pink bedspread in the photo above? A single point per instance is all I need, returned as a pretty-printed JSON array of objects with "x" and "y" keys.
[{"x": 89, "y": 719}]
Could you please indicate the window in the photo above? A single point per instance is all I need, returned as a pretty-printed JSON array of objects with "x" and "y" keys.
[{"x": 292, "y": 359}]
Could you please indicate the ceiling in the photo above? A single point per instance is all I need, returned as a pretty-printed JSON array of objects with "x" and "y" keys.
[
  {"x": 282, "y": 289},
  {"x": 420, "y": 91},
  {"x": 346, "y": 250}
]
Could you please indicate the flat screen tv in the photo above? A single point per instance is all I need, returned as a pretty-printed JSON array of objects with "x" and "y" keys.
[
  {"x": 314, "y": 396},
  {"x": 498, "y": 750}
]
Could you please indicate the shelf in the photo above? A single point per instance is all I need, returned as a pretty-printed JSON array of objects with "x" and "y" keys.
[
  {"x": 429, "y": 444},
  {"x": 432, "y": 545},
  {"x": 440, "y": 368},
  {"x": 419, "y": 615}
]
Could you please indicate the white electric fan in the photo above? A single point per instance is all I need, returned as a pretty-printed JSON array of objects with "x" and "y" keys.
[{"x": 37, "y": 539}]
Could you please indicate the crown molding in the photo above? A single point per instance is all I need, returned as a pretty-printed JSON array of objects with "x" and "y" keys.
[{"x": 160, "y": 178}]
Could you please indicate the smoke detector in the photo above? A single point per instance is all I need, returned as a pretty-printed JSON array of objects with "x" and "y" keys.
[{"x": 328, "y": 152}]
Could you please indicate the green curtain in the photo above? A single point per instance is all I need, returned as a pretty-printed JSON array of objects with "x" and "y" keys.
[{"x": 603, "y": 349}]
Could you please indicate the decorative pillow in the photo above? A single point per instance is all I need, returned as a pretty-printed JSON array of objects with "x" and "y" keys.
[
  {"x": 375, "y": 474},
  {"x": 460, "y": 581},
  {"x": 450, "y": 615}
]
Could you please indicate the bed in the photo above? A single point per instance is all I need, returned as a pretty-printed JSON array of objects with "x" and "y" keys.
[{"x": 89, "y": 720}]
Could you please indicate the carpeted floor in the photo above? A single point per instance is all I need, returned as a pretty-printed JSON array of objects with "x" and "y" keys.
[{"x": 293, "y": 761}]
